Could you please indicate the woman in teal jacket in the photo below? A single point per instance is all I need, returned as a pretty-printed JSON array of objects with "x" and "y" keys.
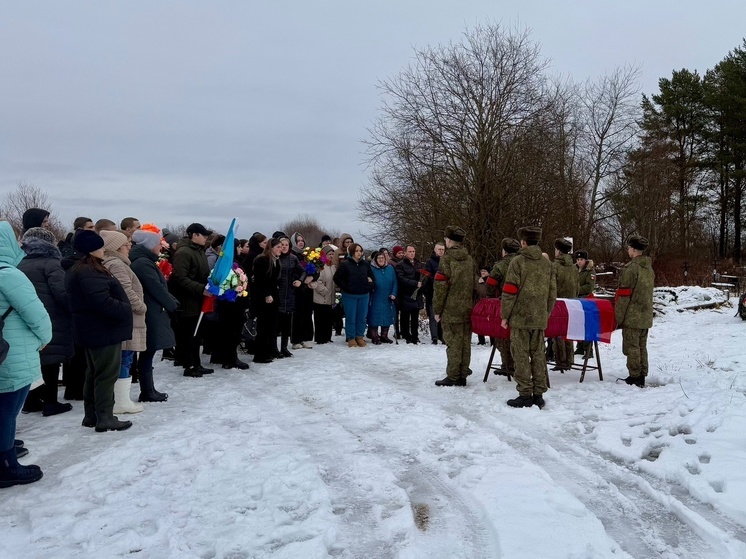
[{"x": 27, "y": 330}]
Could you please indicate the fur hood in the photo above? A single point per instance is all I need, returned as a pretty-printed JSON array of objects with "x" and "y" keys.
[{"x": 38, "y": 248}]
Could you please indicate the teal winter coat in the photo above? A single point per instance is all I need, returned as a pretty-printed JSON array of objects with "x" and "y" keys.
[{"x": 27, "y": 328}]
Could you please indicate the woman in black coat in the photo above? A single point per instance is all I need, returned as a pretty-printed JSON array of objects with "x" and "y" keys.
[
  {"x": 102, "y": 320},
  {"x": 265, "y": 298},
  {"x": 42, "y": 267},
  {"x": 160, "y": 303}
]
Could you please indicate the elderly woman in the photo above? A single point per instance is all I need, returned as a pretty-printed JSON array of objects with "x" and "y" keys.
[
  {"x": 159, "y": 302},
  {"x": 27, "y": 329},
  {"x": 381, "y": 312},
  {"x": 116, "y": 259}
]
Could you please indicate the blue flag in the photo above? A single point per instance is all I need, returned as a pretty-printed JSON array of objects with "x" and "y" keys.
[{"x": 224, "y": 263}]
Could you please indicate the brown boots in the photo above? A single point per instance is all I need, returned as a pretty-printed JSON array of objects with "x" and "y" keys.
[{"x": 360, "y": 341}]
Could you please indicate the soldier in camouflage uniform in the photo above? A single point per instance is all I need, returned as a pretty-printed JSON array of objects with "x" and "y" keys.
[
  {"x": 586, "y": 285},
  {"x": 634, "y": 309},
  {"x": 453, "y": 299},
  {"x": 495, "y": 282},
  {"x": 567, "y": 288},
  {"x": 529, "y": 294}
]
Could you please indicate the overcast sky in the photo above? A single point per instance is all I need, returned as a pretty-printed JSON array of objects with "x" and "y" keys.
[{"x": 186, "y": 111}]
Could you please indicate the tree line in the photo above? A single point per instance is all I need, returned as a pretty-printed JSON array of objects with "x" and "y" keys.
[{"x": 477, "y": 133}]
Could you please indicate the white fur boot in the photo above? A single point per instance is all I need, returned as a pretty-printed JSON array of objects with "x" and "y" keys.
[{"x": 122, "y": 401}]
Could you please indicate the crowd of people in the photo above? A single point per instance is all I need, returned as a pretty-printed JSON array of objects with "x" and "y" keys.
[{"x": 102, "y": 302}]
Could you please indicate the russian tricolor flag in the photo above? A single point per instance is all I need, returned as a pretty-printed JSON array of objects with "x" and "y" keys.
[{"x": 588, "y": 319}]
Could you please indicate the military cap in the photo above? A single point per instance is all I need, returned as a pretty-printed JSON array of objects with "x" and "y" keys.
[
  {"x": 511, "y": 246},
  {"x": 455, "y": 233},
  {"x": 581, "y": 254},
  {"x": 637, "y": 242},
  {"x": 562, "y": 245},
  {"x": 529, "y": 234}
]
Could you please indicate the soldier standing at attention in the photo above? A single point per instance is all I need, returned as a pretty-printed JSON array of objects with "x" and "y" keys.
[
  {"x": 567, "y": 288},
  {"x": 529, "y": 294},
  {"x": 496, "y": 281},
  {"x": 634, "y": 309},
  {"x": 453, "y": 299}
]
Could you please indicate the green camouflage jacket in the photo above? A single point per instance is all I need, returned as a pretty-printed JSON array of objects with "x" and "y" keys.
[
  {"x": 586, "y": 280},
  {"x": 496, "y": 279},
  {"x": 453, "y": 289},
  {"x": 567, "y": 276},
  {"x": 634, "y": 296},
  {"x": 530, "y": 290}
]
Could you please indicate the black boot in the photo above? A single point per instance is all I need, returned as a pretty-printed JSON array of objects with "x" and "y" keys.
[
  {"x": 148, "y": 393},
  {"x": 521, "y": 402},
  {"x": 55, "y": 408},
  {"x": 12, "y": 473},
  {"x": 539, "y": 401},
  {"x": 89, "y": 419},
  {"x": 34, "y": 402},
  {"x": 168, "y": 354},
  {"x": 192, "y": 372},
  {"x": 285, "y": 353},
  {"x": 105, "y": 421},
  {"x": 636, "y": 381},
  {"x": 449, "y": 382},
  {"x": 20, "y": 449},
  {"x": 385, "y": 336}
]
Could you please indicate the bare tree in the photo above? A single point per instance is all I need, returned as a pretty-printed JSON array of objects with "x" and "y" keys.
[
  {"x": 308, "y": 227},
  {"x": 24, "y": 197},
  {"x": 461, "y": 137},
  {"x": 609, "y": 112}
]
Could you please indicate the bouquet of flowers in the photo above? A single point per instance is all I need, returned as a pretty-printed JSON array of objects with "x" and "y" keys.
[
  {"x": 234, "y": 286},
  {"x": 164, "y": 266},
  {"x": 315, "y": 260}
]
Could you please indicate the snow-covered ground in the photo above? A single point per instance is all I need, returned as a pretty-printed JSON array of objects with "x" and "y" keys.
[{"x": 354, "y": 453}]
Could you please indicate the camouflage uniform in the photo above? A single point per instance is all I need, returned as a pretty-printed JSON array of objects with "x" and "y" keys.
[
  {"x": 567, "y": 287},
  {"x": 529, "y": 294},
  {"x": 453, "y": 299},
  {"x": 586, "y": 279},
  {"x": 634, "y": 313},
  {"x": 496, "y": 281}
]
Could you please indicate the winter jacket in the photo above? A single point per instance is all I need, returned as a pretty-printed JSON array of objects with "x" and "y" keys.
[
  {"x": 381, "y": 310},
  {"x": 428, "y": 271},
  {"x": 189, "y": 276},
  {"x": 453, "y": 296},
  {"x": 496, "y": 279},
  {"x": 247, "y": 262},
  {"x": 634, "y": 296},
  {"x": 27, "y": 327},
  {"x": 586, "y": 279},
  {"x": 290, "y": 271},
  {"x": 325, "y": 291},
  {"x": 212, "y": 256},
  {"x": 352, "y": 277},
  {"x": 265, "y": 280},
  {"x": 340, "y": 255},
  {"x": 42, "y": 267},
  {"x": 408, "y": 275},
  {"x": 102, "y": 315},
  {"x": 119, "y": 266},
  {"x": 530, "y": 290},
  {"x": 158, "y": 300},
  {"x": 567, "y": 276}
]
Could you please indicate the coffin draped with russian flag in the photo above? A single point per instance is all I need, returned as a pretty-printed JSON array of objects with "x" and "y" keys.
[{"x": 590, "y": 320}]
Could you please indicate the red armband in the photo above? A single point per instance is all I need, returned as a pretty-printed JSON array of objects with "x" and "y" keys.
[
  {"x": 624, "y": 292},
  {"x": 492, "y": 282},
  {"x": 510, "y": 288},
  {"x": 439, "y": 276}
]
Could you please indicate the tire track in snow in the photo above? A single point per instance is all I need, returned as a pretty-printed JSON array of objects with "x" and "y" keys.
[{"x": 320, "y": 431}]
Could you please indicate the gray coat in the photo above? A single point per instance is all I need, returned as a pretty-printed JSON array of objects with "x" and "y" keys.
[
  {"x": 157, "y": 298},
  {"x": 42, "y": 267}
]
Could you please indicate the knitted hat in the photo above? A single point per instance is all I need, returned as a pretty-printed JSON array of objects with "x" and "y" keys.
[
  {"x": 637, "y": 242},
  {"x": 562, "y": 245},
  {"x": 39, "y": 233},
  {"x": 581, "y": 254},
  {"x": 530, "y": 234},
  {"x": 147, "y": 239},
  {"x": 88, "y": 241},
  {"x": 113, "y": 240},
  {"x": 511, "y": 246},
  {"x": 33, "y": 217},
  {"x": 171, "y": 238},
  {"x": 328, "y": 248},
  {"x": 397, "y": 249},
  {"x": 454, "y": 233}
]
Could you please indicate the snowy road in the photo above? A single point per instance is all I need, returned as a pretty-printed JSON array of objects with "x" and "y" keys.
[{"x": 353, "y": 453}]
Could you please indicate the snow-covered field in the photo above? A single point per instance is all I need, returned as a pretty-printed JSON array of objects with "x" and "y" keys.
[{"x": 346, "y": 453}]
